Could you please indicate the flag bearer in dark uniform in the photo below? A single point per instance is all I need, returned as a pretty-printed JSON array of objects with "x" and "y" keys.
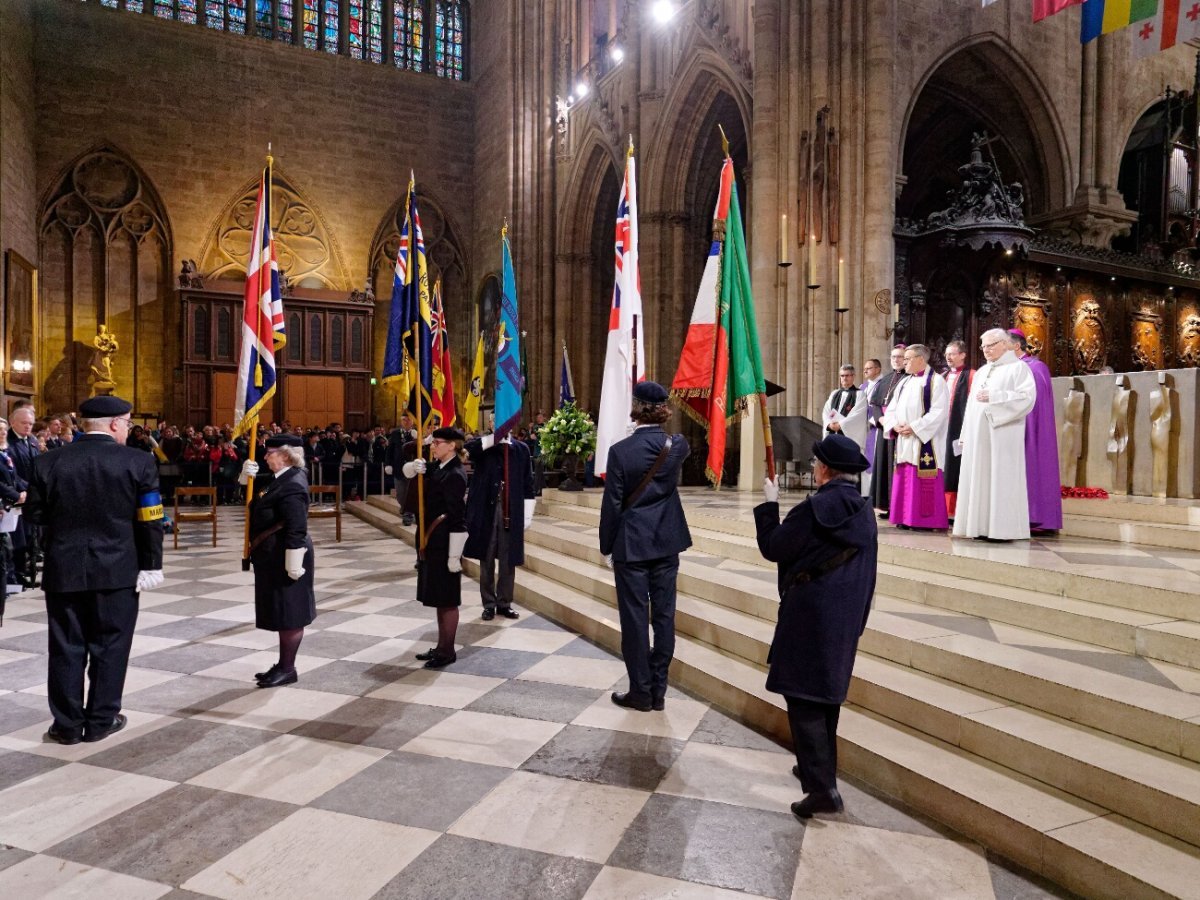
[
  {"x": 439, "y": 573},
  {"x": 98, "y": 504},
  {"x": 499, "y": 509},
  {"x": 282, "y": 553},
  {"x": 826, "y": 551},
  {"x": 642, "y": 533}
]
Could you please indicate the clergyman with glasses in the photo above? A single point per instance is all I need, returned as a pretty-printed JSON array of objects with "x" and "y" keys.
[
  {"x": 992, "y": 500},
  {"x": 98, "y": 504}
]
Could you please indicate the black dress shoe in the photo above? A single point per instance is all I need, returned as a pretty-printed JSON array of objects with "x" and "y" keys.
[
  {"x": 508, "y": 612},
  {"x": 66, "y": 738},
  {"x": 119, "y": 721},
  {"x": 489, "y": 614},
  {"x": 818, "y": 802},
  {"x": 658, "y": 703},
  {"x": 630, "y": 700},
  {"x": 259, "y": 676},
  {"x": 437, "y": 661},
  {"x": 279, "y": 678},
  {"x": 428, "y": 654}
]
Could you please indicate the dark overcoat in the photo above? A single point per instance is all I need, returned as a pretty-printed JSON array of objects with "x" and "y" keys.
[
  {"x": 958, "y": 409},
  {"x": 281, "y": 604},
  {"x": 820, "y": 621},
  {"x": 101, "y": 515},
  {"x": 885, "y": 447},
  {"x": 445, "y": 495},
  {"x": 487, "y": 480},
  {"x": 654, "y": 526}
]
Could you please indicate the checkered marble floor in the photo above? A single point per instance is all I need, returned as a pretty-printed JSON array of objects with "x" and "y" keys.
[{"x": 509, "y": 774}]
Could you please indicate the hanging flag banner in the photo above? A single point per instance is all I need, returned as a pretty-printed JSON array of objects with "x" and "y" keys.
[
  {"x": 1044, "y": 8},
  {"x": 442, "y": 377},
  {"x": 474, "y": 400},
  {"x": 566, "y": 387},
  {"x": 509, "y": 381},
  {"x": 625, "y": 353},
  {"x": 1105, "y": 16},
  {"x": 408, "y": 354},
  {"x": 262, "y": 317},
  {"x": 1175, "y": 22}
]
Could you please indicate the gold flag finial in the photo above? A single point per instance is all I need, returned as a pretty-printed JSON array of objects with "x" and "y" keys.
[
  {"x": 270, "y": 158},
  {"x": 504, "y": 228},
  {"x": 629, "y": 152},
  {"x": 724, "y": 141}
]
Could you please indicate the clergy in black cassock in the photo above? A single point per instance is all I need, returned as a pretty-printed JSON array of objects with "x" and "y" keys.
[{"x": 885, "y": 446}]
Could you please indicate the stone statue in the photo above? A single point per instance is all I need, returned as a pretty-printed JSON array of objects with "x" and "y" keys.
[
  {"x": 1070, "y": 445},
  {"x": 106, "y": 346},
  {"x": 1118, "y": 437},
  {"x": 1160, "y": 435}
]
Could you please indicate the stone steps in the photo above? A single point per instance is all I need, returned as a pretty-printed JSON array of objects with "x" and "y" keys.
[
  {"x": 950, "y": 750},
  {"x": 1156, "y": 534}
]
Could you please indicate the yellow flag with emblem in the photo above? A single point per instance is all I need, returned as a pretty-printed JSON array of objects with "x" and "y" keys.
[{"x": 474, "y": 398}]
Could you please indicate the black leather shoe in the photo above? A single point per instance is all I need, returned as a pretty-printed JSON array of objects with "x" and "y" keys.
[
  {"x": 279, "y": 678},
  {"x": 508, "y": 612},
  {"x": 259, "y": 676},
  {"x": 66, "y": 738},
  {"x": 658, "y": 703},
  {"x": 437, "y": 661},
  {"x": 630, "y": 700},
  {"x": 119, "y": 721},
  {"x": 818, "y": 802},
  {"x": 489, "y": 614},
  {"x": 428, "y": 654}
]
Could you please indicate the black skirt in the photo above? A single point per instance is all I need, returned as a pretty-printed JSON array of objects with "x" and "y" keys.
[
  {"x": 437, "y": 586},
  {"x": 281, "y": 604}
]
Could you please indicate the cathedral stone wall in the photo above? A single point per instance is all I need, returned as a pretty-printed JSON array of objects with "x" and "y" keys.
[{"x": 18, "y": 194}]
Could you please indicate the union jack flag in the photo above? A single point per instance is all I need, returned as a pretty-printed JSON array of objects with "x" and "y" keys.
[
  {"x": 407, "y": 356},
  {"x": 625, "y": 354},
  {"x": 262, "y": 318}
]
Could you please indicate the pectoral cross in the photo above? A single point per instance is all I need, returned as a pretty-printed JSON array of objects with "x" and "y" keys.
[{"x": 926, "y": 460}]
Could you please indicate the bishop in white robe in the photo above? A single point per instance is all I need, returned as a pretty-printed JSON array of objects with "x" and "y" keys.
[
  {"x": 992, "y": 499},
  {"x": 918, "y": 415}
]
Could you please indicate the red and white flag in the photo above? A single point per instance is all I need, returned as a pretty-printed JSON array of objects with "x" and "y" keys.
[
  {"x": 626, "y": 352},
  {"x": 1175, "y": 22},
  {"x": 1044, "y": 8}
]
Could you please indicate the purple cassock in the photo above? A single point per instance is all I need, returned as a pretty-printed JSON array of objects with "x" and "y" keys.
[{"x": 1041, "y": 454}]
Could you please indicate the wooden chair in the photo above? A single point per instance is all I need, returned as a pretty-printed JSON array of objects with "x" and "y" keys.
[
  {"x": 199, "y": 514},
  {"x": 318, "y": 508}
]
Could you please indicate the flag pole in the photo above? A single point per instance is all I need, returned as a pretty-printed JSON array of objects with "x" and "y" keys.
[{"x": 415, "y": 265}]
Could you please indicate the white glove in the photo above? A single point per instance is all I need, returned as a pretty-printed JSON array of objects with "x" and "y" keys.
[
  {"x": 149, "y": 579},
  {"x": 530, "y": 505},
  {"x": 771, "y": 489},
  {"x": 487, "y": 441},
  {"x": 293, "y": 563},
  {"x": 415, "y": 467},
  {"x": 387, "y": 470},
  {"x": 458, "y": 540},
  {"x": 608, "y": 560},
  {"x": 428, "y": 439},
  {"x": 249, "y": 470}
]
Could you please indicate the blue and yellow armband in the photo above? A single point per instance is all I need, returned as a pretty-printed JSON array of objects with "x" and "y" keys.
[{"x": 150, "y": 507}]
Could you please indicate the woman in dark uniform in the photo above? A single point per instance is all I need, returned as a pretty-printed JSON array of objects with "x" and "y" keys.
[
  {"x": 439, "y": 574},
  {"x": 282, "y": 553}
]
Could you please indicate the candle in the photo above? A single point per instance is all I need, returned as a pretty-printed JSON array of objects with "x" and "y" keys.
[
  {"x": 783, "y": 241},
  {"x": 842, "y": 307},
  {"x": 895, "y": 312},
  {"x": 812, "y": 262}
]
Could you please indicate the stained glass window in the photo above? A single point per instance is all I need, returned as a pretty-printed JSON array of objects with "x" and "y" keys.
[
  {"x": 263, "y": 26},
  {"x": 111, "y": 4},
  {"x": 136, "y": 6},
  {"x": 312, "y": 15},
  {"x": 329, "y": 27},
  {"x": 283, "y": 20},
  {"x": 449, "y": 28},
  {"x": 408, "y": 35}
]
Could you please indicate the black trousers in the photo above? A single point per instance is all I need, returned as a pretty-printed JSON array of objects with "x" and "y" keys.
[
  {"x": 497, "y": 592},
  {"x": 92, "y": 629},
  {"x": 646, "y": 602},
  {"x": 814, "y": 736}
]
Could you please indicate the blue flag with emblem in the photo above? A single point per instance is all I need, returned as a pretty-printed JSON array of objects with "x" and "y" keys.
[
  {"x": 408, "y": 354},
  {"x": 509, "y": 380}
]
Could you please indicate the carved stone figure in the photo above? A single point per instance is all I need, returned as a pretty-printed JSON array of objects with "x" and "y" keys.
[
  {"x": 1087, "y": 332},
  {"x": 189, "y": 275},
  {"x": 1118, "y": 436},
  {"x": 1070, "y": 444},
  {"x": 1160, "y": 435},
  {"x": 106, "y": 346},
  {"x": 1189, "y": 341},
  {"x": 1031, "y": 320}
]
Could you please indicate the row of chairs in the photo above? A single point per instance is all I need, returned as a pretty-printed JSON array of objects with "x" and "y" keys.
[{"x": 324, "y": 503}]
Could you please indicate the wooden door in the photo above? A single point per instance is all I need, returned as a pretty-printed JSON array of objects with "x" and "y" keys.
[
  {"x": 223, "y": 398},
  {"x": 313, "y": 401}
]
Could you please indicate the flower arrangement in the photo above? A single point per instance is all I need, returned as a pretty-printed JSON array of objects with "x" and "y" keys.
[
  {"x": 570, "y": 431},
  {"x": 1084, "y": 493}
]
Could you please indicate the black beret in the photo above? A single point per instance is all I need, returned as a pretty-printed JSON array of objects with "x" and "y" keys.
[
  {"x": 448, "y": 434},
  {"x": 840, "y": 453},
  {"x": 284, "y": 440},
  {"x": 650, "y": 392},
  {"x": 104, "y": 407}
]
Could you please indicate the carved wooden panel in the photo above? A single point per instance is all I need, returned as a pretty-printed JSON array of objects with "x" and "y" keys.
[
  {"x": 1031, "y": 319},
  {"x": 1087, "y": 333},
  {"x": 1187, "y": 317},
  {"x": 1146, "y": 340}
]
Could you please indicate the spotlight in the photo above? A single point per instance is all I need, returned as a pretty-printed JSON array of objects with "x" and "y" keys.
[
  {"x": 1008, "y": 252},
  {"x": 570, "y": 99},
  {"x": 663, "y": 11},
  {"x": 581, "y": 89},
  {"x": 616, "y": 54}
]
